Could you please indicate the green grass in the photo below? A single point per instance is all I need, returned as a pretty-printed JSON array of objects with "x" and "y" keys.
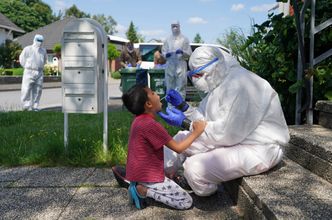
[
  {"x": 17, "y": 71},
  {"x": 36, "y": 138}
]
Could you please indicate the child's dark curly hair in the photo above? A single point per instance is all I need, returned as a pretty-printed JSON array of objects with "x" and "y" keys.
[{"x": 135, "y": 98}]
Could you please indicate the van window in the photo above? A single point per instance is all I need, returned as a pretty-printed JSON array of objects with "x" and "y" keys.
[{"x": 147, "y": 52}]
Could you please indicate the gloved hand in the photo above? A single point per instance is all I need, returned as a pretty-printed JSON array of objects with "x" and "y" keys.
[
  {"x": 179, "y": 51},
  {"x": 168, "y": 54},
  {"x": 173, "y": 117},
  {"x": 176, "y": 99},
  {"x": 138, "y": 66},
  {"x": 129, "y": 65}
]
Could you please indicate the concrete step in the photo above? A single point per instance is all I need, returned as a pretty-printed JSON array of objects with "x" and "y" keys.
[
  {"x": 288, "y": 191},
  {"x": 311, "y": 147},
  {"x": 325, "y": 113}
]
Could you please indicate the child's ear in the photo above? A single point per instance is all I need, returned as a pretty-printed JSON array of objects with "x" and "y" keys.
[{"x": 148, "y": 104}]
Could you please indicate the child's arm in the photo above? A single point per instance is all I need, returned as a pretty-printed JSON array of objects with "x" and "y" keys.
[{"x": 198, "y": 128}]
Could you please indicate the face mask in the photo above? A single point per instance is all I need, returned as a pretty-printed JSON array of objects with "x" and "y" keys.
[
  {"x": 38, "y": 44},
  {"x": 201, "y": 84},
  {"x": 175, "y": 30}
]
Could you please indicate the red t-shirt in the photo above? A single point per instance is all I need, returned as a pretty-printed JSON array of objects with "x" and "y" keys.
[{"x": 145, "y": 160}]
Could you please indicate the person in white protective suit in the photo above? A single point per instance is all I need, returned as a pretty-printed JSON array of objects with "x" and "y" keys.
[
  {"x": 245, "y": 123},
  {"x": 176, "y": 50},
  {"x": 32, "y": 59}
]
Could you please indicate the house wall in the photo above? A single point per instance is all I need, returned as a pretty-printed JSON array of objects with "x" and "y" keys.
[{"x": 4, "y": 35}]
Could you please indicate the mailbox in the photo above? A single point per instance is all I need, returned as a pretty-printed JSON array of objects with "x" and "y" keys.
[{"x": 84, "y": 65}]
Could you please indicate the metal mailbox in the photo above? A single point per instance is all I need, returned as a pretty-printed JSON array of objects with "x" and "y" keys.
[
  {"x": 84, "y": 71},
  {"x": 83, "y": 51}
]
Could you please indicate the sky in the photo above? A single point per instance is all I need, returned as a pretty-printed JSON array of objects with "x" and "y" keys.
[{"x": 211, "y": 19}]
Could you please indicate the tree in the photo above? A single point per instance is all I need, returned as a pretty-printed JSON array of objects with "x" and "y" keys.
[
  {"x": 131, "y": 33},
  {"x": 74, "y": 11},
  {"x": 9, "y": 52},
  {"x": 108, "y": 23},
  {"x": 235, "y": 40},
  {"x": 28, "y": 15},
  {"x": 198, "y": 39},
  {"x": 274, "y": 56},
  {"x": 112, "y": 52}
]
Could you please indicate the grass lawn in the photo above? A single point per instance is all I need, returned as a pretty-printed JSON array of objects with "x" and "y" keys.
[{"x": 36, "y": 138}]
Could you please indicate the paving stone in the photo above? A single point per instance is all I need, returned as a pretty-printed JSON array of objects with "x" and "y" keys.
[
  {"x": 14, "y": 173},
  {"x": 55, "y": 177},
  {"x": 101, "y": 177},
  {"x": 34, "y": 203}
]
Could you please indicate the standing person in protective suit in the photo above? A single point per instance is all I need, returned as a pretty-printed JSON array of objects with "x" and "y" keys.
[
  {"x": 33, "y": 58},
  {"x": 245, "y": 123},
  {"x": 177, "y": 50}
]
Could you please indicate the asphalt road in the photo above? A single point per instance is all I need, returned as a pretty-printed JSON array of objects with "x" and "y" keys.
[{"x": 51, "y": 97}]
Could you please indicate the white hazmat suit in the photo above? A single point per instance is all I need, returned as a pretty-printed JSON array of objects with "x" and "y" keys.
[
  {"x": 245, "y": 124},
  {"x": 177, "y": 50},
  {"x": 32, "y": 59}
]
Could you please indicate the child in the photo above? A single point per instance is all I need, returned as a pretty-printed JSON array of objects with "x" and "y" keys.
[{"x": 145, "y": 161}]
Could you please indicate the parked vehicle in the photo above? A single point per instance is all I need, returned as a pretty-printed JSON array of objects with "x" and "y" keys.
[{"x": 147, "y": 51}]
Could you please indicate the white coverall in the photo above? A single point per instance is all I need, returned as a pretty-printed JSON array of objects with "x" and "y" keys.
[
  {"x": 245, "y": 125},
  {"x": 176, "y": 64},
  {"x": 32, "y": 59}
]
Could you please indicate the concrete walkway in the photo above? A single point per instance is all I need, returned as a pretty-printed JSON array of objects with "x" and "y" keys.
[{"x": 89, "y": 193}]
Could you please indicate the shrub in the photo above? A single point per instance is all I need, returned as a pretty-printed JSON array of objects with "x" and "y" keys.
[
  {"x": 116, "y": 75},
  {"x": 9, "y": 53},
  {"x": 51, "y": 70}
]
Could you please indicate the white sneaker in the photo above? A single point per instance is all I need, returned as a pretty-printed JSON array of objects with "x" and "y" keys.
[{"x": 26, "y": 108}]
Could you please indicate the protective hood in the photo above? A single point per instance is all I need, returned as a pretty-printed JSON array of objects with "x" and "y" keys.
[
  {"x": 176, "y": 29},
  {"x": 215, "y": 73},
  {"x": 38, "y": 40}
]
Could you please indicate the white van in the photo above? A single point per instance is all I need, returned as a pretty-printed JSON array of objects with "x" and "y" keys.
[{"x": 147, "y": 51}]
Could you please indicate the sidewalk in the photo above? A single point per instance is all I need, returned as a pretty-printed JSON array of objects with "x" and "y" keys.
[{"x": 89, "y": 193}]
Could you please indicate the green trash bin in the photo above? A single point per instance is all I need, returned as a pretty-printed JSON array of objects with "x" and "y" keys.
[
  {"x": 157, "y": 83},
  {"x": 128, "y": 78}
]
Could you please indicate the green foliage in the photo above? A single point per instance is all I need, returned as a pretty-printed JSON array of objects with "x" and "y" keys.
[
  {"x": 28, "y": 15},
  {"x": 108, "y": 23},
  {"x": 198, "y": 39},
  {"x": 75, "y": 12},
  {"x": 273, "y": 55},
  {"x": 57, "y": 48},
  {"x": 40, "y": 139},
  {"x": 235, "y": 40},
  {"x": 132, "y": 34},
  {"x": 51, "y": 70},
  {"x": 113, "y": 53},
  {"x": 11, "y": 72},
  {"x": 116, "y": 75},
  {"x": 9, "y": 53}
]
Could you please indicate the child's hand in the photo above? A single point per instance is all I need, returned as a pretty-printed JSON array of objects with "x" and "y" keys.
[{"x": 199, "y": 126}]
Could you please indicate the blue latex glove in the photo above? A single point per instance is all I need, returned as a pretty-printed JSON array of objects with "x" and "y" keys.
[
  {"x": 168, "y": 54},
  {"x": 138, "y": 66},
  {"x": 129, "y": 65},
  {"x": 173, "y": 117},
  {"x": 179, "y": 51},
  {"x": 176, "y": 100}
]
